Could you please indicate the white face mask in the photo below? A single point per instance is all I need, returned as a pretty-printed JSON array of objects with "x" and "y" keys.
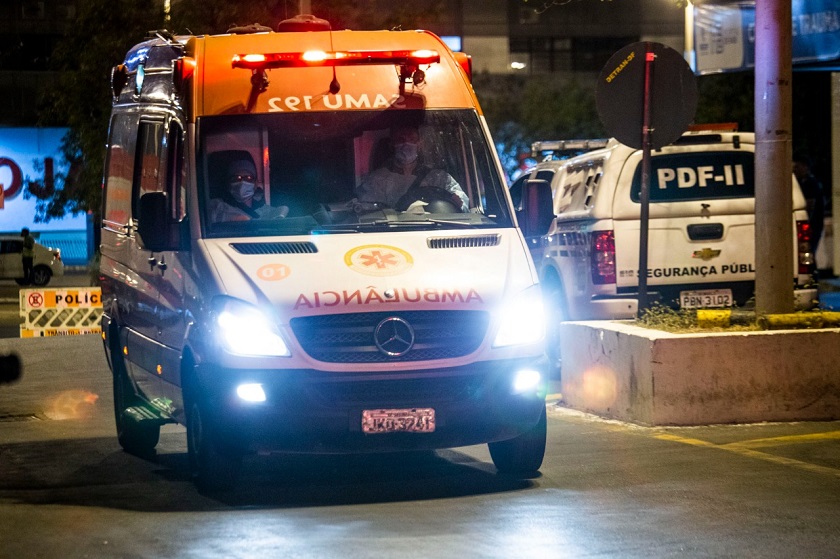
[
  {"x": 242, "y": 191},
  {"x": 405, "y": 154}
]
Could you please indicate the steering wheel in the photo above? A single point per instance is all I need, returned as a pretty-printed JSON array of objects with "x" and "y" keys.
[{"x": 437, "y": 200}]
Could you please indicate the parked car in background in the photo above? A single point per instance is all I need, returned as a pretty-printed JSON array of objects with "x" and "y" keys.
[{"x": 47, "y": 263}]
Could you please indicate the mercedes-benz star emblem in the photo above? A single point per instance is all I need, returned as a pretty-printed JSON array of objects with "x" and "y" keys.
[{"x": 394, "y": 336}]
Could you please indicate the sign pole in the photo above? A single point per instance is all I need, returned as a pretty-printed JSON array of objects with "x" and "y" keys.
[
  {"x": 625, "y": 92},
  {"x": 644, "y": 194}
]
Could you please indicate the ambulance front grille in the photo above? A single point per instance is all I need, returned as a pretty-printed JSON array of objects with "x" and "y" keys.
[
  {"x": 400, "y": 392},
  {"x": 275, "y": 248},
  {"x": 349, "y": 338},
  {"x": 475, "y": 241}
]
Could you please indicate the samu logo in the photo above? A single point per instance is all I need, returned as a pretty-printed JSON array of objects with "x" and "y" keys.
[{"x": 378, "y": 260}]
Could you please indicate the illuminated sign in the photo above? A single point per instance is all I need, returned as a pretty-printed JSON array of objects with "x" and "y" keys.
[
  {"x": 30, "y": 161},
  {"x": 724, "y": 35}
]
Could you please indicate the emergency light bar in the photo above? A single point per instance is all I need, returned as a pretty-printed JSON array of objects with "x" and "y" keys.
[
  {"x": 556, "y": 145},
  {"x": 563, "y": 145},
  {"x": 307, "y": 59}
]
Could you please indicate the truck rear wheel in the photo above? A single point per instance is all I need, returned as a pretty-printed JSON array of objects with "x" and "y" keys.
[
  {"x": 555, "y": 301},
  {"x": 524, "y": 454}
]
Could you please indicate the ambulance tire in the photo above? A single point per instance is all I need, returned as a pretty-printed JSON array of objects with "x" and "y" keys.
[
  {"x": 521, "y": 456},
  {"x": 134, "y": 437},
  {"x": 41, "y": 275},
  {"x": 555, "y": 301},
  {"x": 214, "y": 466}
]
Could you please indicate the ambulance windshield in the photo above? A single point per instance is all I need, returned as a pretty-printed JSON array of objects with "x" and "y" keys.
[{"x": 347, "y": 171}]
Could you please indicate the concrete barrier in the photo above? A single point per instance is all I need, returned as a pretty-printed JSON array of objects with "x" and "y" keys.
[{"x": 621, "y": 371}]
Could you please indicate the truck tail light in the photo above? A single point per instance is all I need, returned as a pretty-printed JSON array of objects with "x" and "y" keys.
[
  {"x": 804, "y": 256},
  {"x": 602, "y": 256}
]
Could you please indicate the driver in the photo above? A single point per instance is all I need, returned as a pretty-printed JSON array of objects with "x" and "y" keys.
[
  {"x": 406, "y": 172},
  {"x": 241, "y": 199}
]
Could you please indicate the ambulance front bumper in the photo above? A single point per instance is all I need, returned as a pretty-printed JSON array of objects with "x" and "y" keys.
[{"x": 316, "y": 412}]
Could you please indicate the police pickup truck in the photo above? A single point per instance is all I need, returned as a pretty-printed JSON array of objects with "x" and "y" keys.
[{"x": 701, "y": 241}]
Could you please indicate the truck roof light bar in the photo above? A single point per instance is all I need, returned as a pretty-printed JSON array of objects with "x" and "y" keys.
[{"x": 540, "y": 147}]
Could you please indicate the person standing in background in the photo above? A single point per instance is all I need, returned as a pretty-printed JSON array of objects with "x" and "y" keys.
[{"x": 27, "y": 255}]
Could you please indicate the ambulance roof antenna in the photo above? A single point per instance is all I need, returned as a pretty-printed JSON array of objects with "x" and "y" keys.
[
  {"x": 335, "y": 87},
  {"x": 308, "y": 22}
]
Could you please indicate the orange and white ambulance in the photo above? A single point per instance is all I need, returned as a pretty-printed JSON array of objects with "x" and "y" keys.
[{"x": 315, "y": 320}]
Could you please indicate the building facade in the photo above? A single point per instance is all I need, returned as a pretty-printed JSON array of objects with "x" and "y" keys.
[{"x": 574, "y": 37}]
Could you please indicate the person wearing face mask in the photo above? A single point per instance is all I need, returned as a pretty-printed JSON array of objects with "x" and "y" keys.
[
  {"x": 241, "y": 199},
  {"x": 405, "y": 173}
]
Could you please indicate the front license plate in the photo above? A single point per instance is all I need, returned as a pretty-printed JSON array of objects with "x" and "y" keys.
[
  {"x": 412, "y": 420},
  {"x": 706, "y": 298}
]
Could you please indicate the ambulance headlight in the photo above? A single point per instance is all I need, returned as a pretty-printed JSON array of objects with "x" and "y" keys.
[
  {"x": 243, "y": 329},
  {"x": 523, "y": 319}
]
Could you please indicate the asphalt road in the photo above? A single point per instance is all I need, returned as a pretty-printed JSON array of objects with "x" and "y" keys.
[{"x": 606, "y": 489}]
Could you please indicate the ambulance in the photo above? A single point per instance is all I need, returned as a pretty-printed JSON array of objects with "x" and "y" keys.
[
  {"x": 327, "y": 323},
  {"x": 701, "y": 228}
]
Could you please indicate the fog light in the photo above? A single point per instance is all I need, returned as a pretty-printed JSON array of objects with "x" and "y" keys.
[
  {"x": 526, "y": 380},
  {"x": 251, "y": 392}
]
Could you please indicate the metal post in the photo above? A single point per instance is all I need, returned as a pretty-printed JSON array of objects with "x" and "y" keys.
[
  {"x": 644, "y": 194},
  {"x": 773, "y": 154},
  {"x": 305, "y": 7},
  {"x": 834, "y": 254}
]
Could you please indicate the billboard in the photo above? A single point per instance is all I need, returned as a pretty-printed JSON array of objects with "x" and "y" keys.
[
  {"x": 31, "y": 156},
  {"x": 723, "y": 36}
]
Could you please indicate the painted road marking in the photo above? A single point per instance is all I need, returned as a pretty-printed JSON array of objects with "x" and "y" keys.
[{"x": 743, "y": 448}]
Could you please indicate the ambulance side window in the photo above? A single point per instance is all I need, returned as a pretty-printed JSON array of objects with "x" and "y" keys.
[
  {"x": 147, "y": 164},
  {"x": 118, "y": 175},
  {"x": 176, "y": 183}
]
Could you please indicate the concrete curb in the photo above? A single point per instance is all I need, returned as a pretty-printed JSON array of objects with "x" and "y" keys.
[{"x": 621, "y": 371}]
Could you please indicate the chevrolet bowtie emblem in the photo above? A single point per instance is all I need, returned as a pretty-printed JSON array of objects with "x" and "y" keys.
[{"x": 705, "y": 254}]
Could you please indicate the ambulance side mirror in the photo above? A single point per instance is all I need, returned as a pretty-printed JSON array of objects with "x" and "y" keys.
[
  {"x": 537, "y": 208},
  {"x": 157, "y": 230}
]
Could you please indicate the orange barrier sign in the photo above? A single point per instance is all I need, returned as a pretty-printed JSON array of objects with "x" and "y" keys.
[{"x": 60, "y": 312}]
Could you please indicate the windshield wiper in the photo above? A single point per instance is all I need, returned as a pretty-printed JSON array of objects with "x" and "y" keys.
[
  {"x": 438, "y": 222},
  {"x": 391, "y": 224}
]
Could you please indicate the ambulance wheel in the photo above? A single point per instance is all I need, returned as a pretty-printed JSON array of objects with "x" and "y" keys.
[
  {"x": 214, "y": 466},
  {"x": 41, "y": 275},
  {"x": 523, "y": 455},
  {"x": 134, "y": 437},
  {"x": 556, "y": 311}
]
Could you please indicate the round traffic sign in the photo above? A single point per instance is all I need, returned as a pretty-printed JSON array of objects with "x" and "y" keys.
[{"x": 620, "y": 94}]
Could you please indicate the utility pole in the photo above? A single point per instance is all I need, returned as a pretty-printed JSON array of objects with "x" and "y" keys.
[
  {"x": 305, "y": 7},
  {"x": 773, "y": 157}
]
